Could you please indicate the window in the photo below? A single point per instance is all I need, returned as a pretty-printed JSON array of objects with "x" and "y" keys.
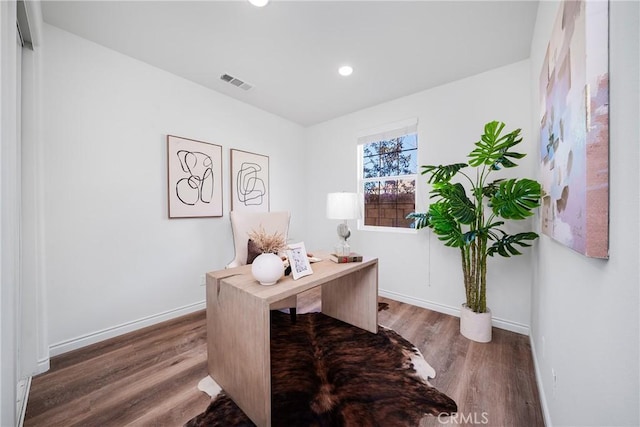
[{"x": 388, "y": 160}]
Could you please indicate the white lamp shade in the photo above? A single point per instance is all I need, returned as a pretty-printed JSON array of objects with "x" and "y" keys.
[{"x": 343, "y": 206}]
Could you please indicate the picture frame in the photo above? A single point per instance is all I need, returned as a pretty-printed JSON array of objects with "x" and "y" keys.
[
  {"x": 194, "y": 178},
  {"x": 249, "y": 181},
  {"x": 298, "y": 260}
]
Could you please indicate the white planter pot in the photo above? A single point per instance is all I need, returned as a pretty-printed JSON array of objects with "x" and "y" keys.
[
  {"x": 475, "y": 326},
  {"x": 267, "y": 269}
]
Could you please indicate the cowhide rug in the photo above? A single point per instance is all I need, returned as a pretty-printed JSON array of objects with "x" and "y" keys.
[{"x": 328, "y": 373}]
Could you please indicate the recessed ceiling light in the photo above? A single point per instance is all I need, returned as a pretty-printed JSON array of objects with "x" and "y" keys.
[
  {"x": 345, "y": 70},
  {"x": 259, "y": 3}
]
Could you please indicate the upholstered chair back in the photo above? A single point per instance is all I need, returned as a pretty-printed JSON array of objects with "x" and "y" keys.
[{"x": 242, "y": 223}]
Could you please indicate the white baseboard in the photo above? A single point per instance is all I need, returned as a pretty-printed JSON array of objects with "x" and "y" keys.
[
  {"x": 24, "y": 386},
  {"x": 541, "y": 394},
  {"x": 114, "y": 331},
  {"x": 42, "y": 366},
  {"x": 507, "y": 325}
]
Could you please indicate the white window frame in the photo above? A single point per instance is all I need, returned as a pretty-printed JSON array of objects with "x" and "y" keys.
[{"x": 385, "y": 132}]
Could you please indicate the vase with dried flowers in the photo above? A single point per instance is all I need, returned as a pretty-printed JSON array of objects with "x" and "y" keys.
[{"x": 267, "y": 267}]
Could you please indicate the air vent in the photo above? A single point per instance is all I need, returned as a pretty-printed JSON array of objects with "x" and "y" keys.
[{"x": 236, "y": 82}]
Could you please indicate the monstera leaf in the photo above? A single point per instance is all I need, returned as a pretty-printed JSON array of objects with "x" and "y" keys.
[
  {"x": 460, "y": 206},
  {"x": 444, "y": 224},
  {"x": 420, "y": 219},
  {"x": 492, "y": 149},
  {"x": 440, "y": 174},
  {"x": 515, "y": 199},
  {"x": 490, "y": 189},
  {"x": 505, "y": 246}
]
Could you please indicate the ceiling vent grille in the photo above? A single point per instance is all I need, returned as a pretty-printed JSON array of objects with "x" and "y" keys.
[{"x": 236, "y": 82}]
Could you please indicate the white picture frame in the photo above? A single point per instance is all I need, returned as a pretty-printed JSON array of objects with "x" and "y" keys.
[{"x": 298, "y": 260}]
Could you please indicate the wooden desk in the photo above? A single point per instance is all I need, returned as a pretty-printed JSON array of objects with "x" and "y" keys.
[{"x": 238, "y": 322}]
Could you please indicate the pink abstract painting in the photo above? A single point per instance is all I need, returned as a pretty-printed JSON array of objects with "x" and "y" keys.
[{"x": 574, "y": 129}]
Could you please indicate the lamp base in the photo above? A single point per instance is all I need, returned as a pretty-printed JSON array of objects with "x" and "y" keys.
[{"x": 342, "y": 248}]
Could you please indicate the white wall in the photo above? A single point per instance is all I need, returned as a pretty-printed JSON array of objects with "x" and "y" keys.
[
  {"x": 417, "y": 268},
  {"x": 585, "y": 311},
  {"x": 112, "y": 255}
]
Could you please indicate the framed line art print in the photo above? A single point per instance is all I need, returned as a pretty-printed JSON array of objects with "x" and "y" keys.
[
  {"x": 298, "y": 260},
  {"x": 194, "y": 178},
  {"x": 249, "y": 181}
]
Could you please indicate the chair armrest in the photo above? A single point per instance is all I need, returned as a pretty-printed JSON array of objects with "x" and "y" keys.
[{"x": 233, "y": 264}]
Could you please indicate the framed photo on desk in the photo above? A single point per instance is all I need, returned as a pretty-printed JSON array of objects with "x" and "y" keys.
[{"x": 298, "y": 260}]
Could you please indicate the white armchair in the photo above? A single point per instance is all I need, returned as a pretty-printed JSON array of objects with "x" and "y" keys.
[{"x": 242, "y": 223}]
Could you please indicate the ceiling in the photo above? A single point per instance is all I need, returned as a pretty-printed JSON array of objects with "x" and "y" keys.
[{"x": 289, "y": 51}]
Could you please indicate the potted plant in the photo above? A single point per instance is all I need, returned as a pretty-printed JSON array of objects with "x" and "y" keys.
[
  {"x": 468, "y": 215},
  {"x": 267, "y": 267}
]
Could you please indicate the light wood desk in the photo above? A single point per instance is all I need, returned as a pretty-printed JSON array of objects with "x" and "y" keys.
[{"x": 238, "y": 322}]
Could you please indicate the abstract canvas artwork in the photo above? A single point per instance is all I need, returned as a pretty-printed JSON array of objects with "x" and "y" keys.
[
  {"x": 574, "y": 129},
  {"x": 195, "y": 178},
  {"x": 249, "y": 181}
]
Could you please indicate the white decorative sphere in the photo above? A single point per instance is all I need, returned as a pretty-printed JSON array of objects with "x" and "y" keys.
[{"x": 267, "y": 268}]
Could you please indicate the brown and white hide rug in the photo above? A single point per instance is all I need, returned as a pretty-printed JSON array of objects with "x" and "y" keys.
[{"x": 325, "y": 372}]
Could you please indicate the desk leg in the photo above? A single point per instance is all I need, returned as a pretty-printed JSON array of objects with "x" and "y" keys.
[
  {"x": 238, "y": 347},
  {"x": 354, "y": 298}
]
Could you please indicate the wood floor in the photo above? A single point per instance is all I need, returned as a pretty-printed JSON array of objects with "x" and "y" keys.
[{"x": 149, "y": 377}]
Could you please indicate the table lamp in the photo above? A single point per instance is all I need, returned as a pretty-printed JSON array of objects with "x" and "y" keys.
[{"x": 343, "y": 206}]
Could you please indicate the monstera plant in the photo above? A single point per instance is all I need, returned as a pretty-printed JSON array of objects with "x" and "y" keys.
[{"x": 469, "y": 209}]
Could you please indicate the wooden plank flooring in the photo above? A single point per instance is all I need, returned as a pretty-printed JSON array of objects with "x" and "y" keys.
[{"x": 149, "y": 377}]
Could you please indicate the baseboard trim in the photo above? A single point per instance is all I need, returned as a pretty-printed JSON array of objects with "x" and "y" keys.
[
  {"x": 114, "y": 331},
  {"x": 23, "y": 396},
  {"x": 507, "y": 325},
  {"x": 42, "y": 366},
  {"x": 541, "y": 393}
]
